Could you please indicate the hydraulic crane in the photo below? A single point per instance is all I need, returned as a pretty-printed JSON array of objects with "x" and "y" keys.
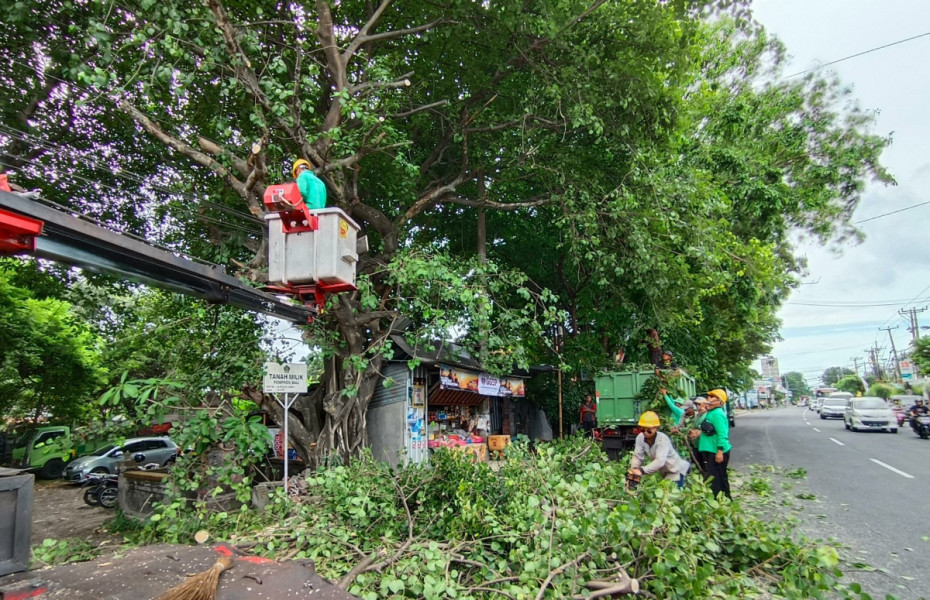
[{"x": 311, "y": 253}]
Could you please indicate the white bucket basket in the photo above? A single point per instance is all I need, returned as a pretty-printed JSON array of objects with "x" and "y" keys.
[{"x": 327, "y": 255}]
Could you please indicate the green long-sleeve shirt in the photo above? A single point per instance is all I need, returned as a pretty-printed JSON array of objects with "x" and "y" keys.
[
  {"x": 678, "y": 412},
  {"x": 721, "y": 439},
  {"x": 312, "y": 189}
]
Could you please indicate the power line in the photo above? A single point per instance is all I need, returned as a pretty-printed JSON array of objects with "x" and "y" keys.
[
  {"x": 877, "y": 48},
  {"x": 124, "y": 174},
  {"x": 894, "y": 212}
]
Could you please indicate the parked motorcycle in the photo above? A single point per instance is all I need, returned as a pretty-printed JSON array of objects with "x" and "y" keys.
[
  {"x": 101, "y": 490},
  {"x": 922, "y": 426}
]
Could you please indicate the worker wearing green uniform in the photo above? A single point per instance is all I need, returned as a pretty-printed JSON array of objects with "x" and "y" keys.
[
  {"x": 312, "y": 189},
  {"x": 714, "y": 442}
]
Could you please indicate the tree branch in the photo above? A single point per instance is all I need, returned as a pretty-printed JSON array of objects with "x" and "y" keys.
[
  {"x": 363, "y": 32},
  {"x": 478, "y": 203},
  {"x": 412, "y": 111},
  {"x": 197, "y": 156},
  {"x": 390, "y": 35},
  {"x": 216, "y": 150},
  {"x": 401, "y": 82},
  {"x": 433, "y": 197}
]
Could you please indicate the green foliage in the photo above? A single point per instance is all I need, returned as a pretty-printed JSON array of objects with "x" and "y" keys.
[
  {"x": 832, "y": 375},
  {"x": 795, "y": 382},
  {"x": 50, "y": 361},
  {"x": 921, "y": 354},
  {"x": 850, "y": 383},
  {"x": 57, "y": 552},
  {"x": 882, "y": 390},
  {"x": 547, "y": 522}
]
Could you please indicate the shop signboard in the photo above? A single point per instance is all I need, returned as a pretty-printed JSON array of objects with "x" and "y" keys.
[{"x": 453, "y": 378}]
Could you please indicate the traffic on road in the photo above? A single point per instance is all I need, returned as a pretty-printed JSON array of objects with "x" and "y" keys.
[{"x": 865, "y": 486}]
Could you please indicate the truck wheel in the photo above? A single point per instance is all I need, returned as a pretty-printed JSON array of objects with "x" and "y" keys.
[{"x": 52, "y": 469}]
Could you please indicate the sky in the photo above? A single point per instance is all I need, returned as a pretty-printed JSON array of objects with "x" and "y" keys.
[{"x": 852, "y": 290}]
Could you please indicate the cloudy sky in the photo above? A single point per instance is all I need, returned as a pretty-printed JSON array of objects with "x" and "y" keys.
[{"x": 853, "y": 290}]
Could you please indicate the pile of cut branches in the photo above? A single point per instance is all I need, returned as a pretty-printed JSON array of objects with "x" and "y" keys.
[{"x": 556, "y": 523}]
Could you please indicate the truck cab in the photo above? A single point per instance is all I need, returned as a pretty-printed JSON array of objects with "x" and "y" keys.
[{"x": 44, "y": 449}]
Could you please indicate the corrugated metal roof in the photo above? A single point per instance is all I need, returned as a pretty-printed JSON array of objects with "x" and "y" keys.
[{"x": 454, "y": 398}]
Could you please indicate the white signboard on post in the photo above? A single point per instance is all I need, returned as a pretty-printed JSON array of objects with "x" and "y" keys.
[{"x": 288, "y": 378}]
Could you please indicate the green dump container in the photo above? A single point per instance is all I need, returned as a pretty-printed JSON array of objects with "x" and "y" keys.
[{"x": 616, "y": 392}]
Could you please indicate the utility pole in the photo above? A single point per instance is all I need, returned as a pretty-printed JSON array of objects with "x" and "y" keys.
[
  {"x": 855, "y": 360},
  {"x": 873, "y": 356},
  {"x": 911, "y": 314},
  {"x": 894, "y": 351}
]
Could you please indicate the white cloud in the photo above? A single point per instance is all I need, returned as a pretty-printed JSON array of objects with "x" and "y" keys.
[{"x": 891, "y": 266}]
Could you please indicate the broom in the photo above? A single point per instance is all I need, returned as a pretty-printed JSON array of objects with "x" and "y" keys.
[{"x": 201, "y": 586}]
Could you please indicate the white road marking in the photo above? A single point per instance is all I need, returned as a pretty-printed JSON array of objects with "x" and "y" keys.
[
  {"x": 890, "y": 468},
  {"x": 817, "y": 430},
  {"x": 837, "y": 442}
]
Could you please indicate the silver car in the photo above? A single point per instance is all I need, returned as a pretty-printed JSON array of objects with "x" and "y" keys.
[
  {"x": 159, "y": 450},
  {"x": 833, "y": 408},
  {"x": 870, "y": 412}
]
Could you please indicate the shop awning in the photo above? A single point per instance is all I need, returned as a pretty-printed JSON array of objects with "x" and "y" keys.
[{"x": 443, "y": 397}]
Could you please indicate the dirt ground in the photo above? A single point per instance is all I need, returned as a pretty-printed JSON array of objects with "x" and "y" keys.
[{"x": 58, "y": 512}]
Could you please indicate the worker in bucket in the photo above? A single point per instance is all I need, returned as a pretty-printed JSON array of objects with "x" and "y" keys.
[
  {"x": 663, "y": 458},
  {"x": 312, "y": 189}
]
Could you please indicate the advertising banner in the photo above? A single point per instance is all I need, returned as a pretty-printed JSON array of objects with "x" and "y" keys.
[{"x": 452, "y": 378}]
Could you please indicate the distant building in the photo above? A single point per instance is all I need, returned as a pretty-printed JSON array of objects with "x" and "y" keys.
[{"x": 770, "y": 368}]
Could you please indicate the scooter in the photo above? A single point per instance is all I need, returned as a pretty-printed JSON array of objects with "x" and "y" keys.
[{"x": 922, "y": 426}]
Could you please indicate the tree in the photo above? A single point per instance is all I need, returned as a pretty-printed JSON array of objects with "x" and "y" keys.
[
  {"x": 834, "y": 374},
  {"x": 795, "y": 382},
  {"x": 49, "y": 359},
  {"x": 851, "y": 383},
  {"x": 921, "y": 354},
  {"x": 634, "y": 165}
]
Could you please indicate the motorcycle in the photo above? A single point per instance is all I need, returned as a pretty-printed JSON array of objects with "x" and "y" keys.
[
  {"x": 101, "y": 490},
  {"x": 922, "y": 426}
]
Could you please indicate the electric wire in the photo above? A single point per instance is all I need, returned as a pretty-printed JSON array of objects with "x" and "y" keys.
[
  {"x": 109, "y": 226},
  {"x": 123, "y": 174},
  {"x": 894, "y": 212},
  {"x": 869, "y": 51}
]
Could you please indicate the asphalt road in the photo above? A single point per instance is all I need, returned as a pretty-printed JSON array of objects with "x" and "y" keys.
[{"x": 872, "y": 490}]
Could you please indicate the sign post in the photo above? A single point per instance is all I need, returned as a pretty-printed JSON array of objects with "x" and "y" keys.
[{"x": 290, "y": 380}]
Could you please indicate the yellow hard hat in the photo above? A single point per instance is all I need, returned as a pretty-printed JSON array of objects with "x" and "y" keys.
[
  {"x": 649, "y": 419},
  {"x": 719, "y": 394},
  {"x": 299, "y": 162}
]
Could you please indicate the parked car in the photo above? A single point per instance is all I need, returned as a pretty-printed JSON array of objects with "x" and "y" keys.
[
  {"x": 159, "y": 450},
  {"x": 833, "y": 407},
  {"x": 870, "y": 412}
]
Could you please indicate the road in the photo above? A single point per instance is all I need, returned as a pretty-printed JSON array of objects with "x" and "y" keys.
[{"x": 872, "y": 490}]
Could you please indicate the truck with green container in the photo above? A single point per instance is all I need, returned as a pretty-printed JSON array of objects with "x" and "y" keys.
[{"x": 620, "y": 402}]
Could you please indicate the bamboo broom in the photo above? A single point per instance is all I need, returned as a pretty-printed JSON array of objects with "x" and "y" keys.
[{"x": 201, "y": 586}]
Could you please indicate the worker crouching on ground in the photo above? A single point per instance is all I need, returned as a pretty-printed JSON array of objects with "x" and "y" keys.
[
  {"x": 659, "y": 448},
  {"x": 312, "y": 189},
  {"x": 714, "y": 442}
]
